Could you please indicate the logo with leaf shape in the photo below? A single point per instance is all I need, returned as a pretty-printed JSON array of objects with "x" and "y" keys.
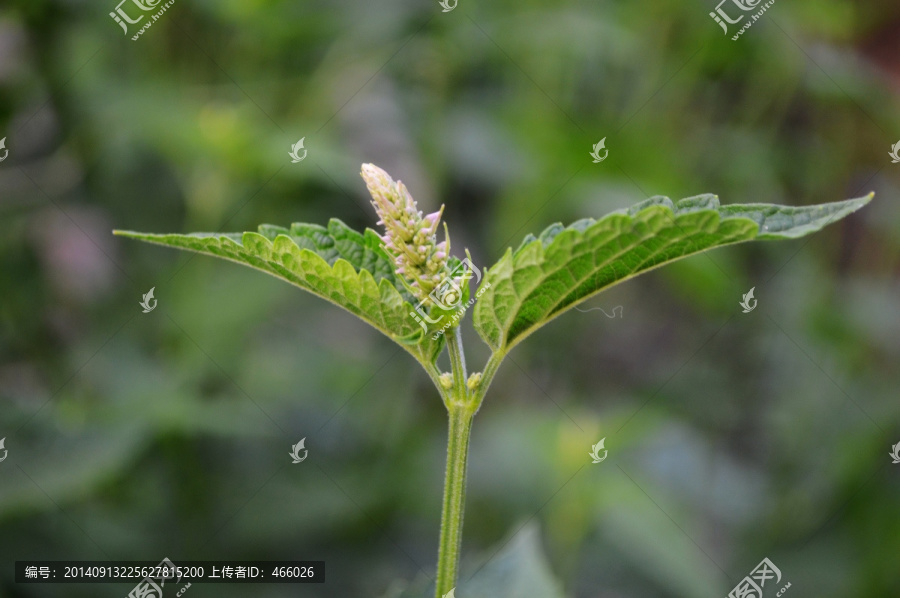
[
  {"x": 448, "y": 6},
  {"x": 145, "y": 302},
  {"x": 747, "y": 4},
  {"x": 595, "y": 154},
  {"x": 595, "y": 451},
  {"x": 295, "y": 151},
  {"x": 895, "y": 153},
  {"x": 895, "y": 454},
  {"x": 3, "y": 448},
  {"x": 295, "y": 451},
  {"x": 745, "y": 303},
  {"x": 3, "y": 147}
]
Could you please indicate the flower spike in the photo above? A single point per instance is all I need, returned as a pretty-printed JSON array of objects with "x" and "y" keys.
[{"x": 410, "y": 238}]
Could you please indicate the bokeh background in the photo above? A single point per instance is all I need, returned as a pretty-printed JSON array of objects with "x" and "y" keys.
[{"x": 732, "y": 437}]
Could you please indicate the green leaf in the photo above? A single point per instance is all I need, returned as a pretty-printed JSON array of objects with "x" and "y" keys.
[
  {"x": 565, "y": 266},
  {"x": 518, "y": 570},
  {"x": 336, "y": 263}
]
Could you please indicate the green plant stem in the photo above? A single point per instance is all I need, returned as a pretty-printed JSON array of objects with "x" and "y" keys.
[
  {"x": 461, "y": 411},
  {"x": 462, "y": 404},
  {"x": 461, "y": 416},
  {"x": 457, "y": 364}
]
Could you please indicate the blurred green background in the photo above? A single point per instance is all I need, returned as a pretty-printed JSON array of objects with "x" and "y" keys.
[{"x": 732, "y": 437}]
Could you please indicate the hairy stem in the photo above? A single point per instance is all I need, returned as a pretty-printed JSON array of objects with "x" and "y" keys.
[
  {"x": 460, "y": 411},
  {"x": 457, "y": 364},
  {"x": 454, "y": 495},
  {"x": 462, "y": 404}
]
